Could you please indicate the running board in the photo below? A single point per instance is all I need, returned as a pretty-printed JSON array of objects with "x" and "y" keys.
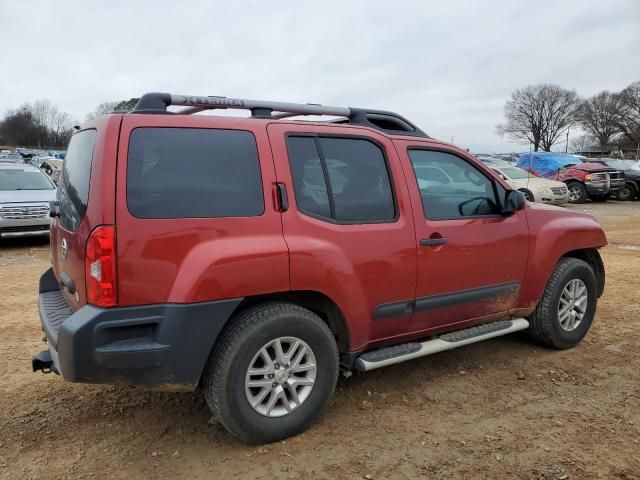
[{"x": 448, "y": 341}]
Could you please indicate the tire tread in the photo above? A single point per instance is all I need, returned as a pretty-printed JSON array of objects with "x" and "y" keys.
[
  {"x": 541, "y": 321},
  {"x": 214, "y": 377}
]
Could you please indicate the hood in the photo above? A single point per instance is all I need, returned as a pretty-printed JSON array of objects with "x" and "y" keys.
[
  {"x": 542, "y": 182},
  {"x": 27, "y": 196},
  {"x": 591, "y": 167}
]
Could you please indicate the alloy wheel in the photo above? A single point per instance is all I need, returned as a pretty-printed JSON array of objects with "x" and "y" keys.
[
  {"x": 572, "y": 305},
  {"x": 280, "y": 377}
]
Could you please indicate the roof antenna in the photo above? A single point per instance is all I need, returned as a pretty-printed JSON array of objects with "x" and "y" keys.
[{"x": 529, "y": 171}]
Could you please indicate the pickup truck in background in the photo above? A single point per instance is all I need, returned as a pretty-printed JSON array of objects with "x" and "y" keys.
[{"x": 584, "y": 179}]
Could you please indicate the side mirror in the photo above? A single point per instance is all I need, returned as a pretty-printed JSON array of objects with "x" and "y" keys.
[{"x": 513, "y": 201}]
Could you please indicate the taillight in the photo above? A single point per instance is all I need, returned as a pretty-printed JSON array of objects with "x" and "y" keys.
[{"x": 100, "y": 267}]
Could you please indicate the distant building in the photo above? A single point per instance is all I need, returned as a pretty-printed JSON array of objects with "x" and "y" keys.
[{"x": 610, "y": 151}]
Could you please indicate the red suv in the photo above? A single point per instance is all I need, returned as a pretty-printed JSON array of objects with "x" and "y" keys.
[{"x": 258, "y": 257}]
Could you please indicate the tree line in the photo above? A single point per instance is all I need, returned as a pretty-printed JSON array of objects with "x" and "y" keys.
[
  {"x": 542, "y": 114},
  {"x": 37, "y": 124},
  {"x": 42, "y": 125}
]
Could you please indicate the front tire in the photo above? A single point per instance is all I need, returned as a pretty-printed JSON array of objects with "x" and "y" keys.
[
  {"x": 565, "y": 312},
  {"x": 626, "y": 193},
  {"x": 272, "y": 373},
  {"x": 577, "y": 192},
  {"x": 528, "y": 195}
]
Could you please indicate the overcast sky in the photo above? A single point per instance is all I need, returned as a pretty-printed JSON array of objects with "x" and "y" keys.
[{"x": 447, "y": 65}]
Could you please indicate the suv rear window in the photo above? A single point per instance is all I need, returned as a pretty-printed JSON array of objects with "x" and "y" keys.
[
  {"x": 73, "y": 189},
  {"x": 193, "y": 173}
]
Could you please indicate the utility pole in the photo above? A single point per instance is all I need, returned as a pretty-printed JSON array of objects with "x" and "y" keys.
[{"x": 566, "y": 147}]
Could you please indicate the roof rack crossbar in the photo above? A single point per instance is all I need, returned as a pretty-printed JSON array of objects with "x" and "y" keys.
[{"x": 382, "y": 120}]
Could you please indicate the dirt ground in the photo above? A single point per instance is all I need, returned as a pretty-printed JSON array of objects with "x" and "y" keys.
[{"x": 504, "y": 408}]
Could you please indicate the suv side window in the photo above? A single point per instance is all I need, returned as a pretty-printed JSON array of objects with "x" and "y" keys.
[
  {"x": 73, "y": 188},
  {"x": 193, "y": 173},
  {"x": 344, "y": 180},
  {"x": 451, "y": 187}
]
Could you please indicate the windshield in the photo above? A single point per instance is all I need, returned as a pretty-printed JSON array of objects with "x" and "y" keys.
[
  {"x": 18, "y": 179},
  {"x": 515, "y": 173},
  {"x": 619, "y": 164}
]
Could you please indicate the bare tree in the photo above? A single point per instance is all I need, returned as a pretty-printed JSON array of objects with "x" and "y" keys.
[
  {"x": 20, "y": 128},
  {"x": 629, "y": 119},
  {"x": 40, "y": 124},
  {"x": 102, "y": 109},
  {"x": 599, "y": 117},
  {"x": 110, "y": 107},
  {"x": 61, "y": 129},
  {"x": 581, "y": 142},
  {"x": 126, "y": 105},
  {"x": 539, "y": 114}
]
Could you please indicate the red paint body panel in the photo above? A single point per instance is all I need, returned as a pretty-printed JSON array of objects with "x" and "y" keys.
[
  {"x": 358, "y": 266},
  {"x": 554, "y": 231},
  {"x": 580, "y": 171},
  {"x": 479, "y": 252},
  {"x": 197, "y": 259},
  {"x": 100, "y": 210}
]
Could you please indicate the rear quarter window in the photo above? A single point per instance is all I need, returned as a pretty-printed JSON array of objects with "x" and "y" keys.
[
  {"x": 73, "y": 188},
  {"x": 193, "y": 173}
]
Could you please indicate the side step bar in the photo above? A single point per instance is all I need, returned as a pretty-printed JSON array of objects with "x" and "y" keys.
[{"x": 448, "y": 341}]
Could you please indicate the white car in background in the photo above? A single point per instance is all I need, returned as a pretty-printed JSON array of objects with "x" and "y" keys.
[
  {"x": 25, "y": 193},
  {"x": 534, "y": 189}
]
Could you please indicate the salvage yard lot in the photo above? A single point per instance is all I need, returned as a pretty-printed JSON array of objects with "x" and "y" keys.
[{"x": 504, "y": 408}]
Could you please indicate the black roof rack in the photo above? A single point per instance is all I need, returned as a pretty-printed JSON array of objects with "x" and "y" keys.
[{"x": 388, "y": 122}]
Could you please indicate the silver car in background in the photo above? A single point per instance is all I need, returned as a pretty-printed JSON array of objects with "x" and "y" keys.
[{"x": 25, "y": 193}]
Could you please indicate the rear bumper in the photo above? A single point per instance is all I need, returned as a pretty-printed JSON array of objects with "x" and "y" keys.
[{"x": 164, "y": 345}]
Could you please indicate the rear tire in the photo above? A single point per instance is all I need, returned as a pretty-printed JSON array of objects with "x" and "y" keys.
[
  {"x": 259, "y": 341},
  {"x": 549, "y": 325},
  {"x": 577, "y": 192}
]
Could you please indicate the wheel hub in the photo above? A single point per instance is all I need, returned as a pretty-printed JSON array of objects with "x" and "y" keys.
[
  {"x": 280, "y": 376},
  {"x": 572, "y": 305}
]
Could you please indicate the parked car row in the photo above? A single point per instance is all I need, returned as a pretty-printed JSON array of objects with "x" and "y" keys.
[
  {"x": 50, "y": 162},
  {"x": 585, "y": 179},
  {"x": 557, "y": 178}
]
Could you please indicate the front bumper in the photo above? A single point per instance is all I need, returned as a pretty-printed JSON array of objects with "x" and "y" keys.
[
  {"x": 617, "y": 185},
  {"x": 18, "y": 224},
  {"x": 23, "y": 228},
  {"x": 597, "y": 188},
  {"x": 163, "y": 345}
]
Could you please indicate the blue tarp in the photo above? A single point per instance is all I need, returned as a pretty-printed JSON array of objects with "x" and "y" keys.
[{"x": 546, "y": 164}]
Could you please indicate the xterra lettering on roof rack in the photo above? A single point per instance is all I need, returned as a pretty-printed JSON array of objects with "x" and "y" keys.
[{"x": 388, "y": 122}]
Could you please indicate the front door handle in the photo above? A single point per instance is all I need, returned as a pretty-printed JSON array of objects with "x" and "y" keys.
[{"x": 433, "y": 242}]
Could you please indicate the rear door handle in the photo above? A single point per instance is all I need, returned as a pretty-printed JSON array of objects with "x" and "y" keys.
[
  {"x": 432, "y": 242},
  {"x": 283, "y": 199}
]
